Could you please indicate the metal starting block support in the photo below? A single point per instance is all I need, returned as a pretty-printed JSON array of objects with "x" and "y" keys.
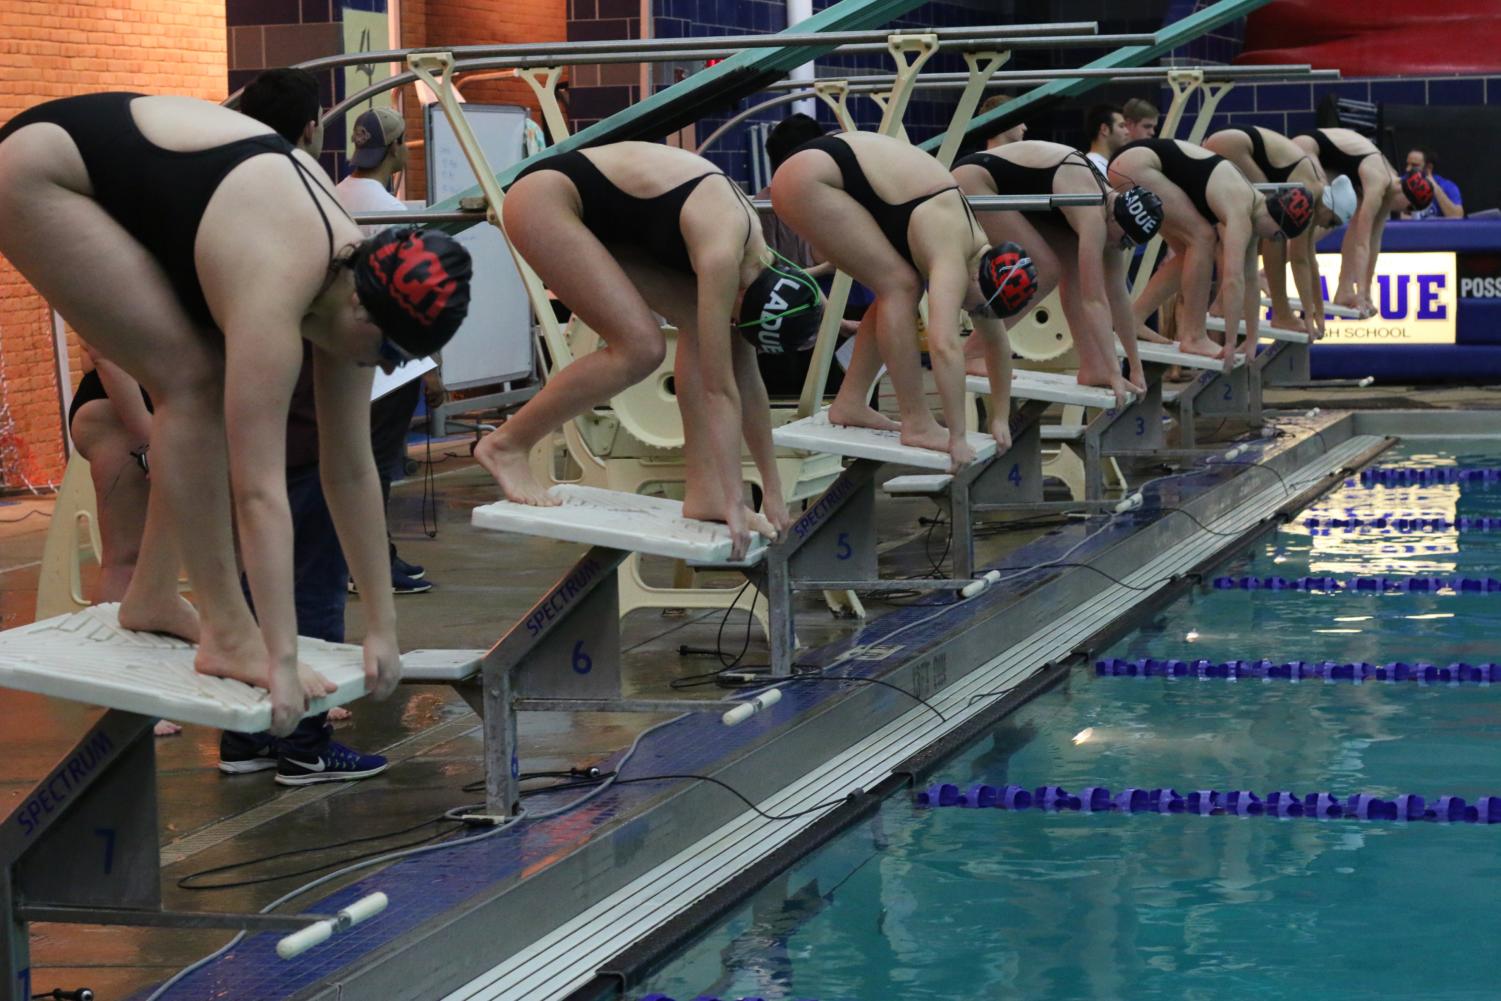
[
  {"x": 1214, "y": 393},
  {"x": 564, "y": 654},
  {"x": 83, "y": 846},
  {"x": 1111, "y": 431}
]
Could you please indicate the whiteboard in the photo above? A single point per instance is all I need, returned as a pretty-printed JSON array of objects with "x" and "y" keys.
[{"x": 495, "y": 342}]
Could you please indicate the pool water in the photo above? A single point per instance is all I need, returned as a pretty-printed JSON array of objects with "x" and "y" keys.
[{"x": 958, "y": 904}]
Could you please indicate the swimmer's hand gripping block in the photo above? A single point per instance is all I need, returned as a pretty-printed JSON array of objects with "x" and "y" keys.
[
  {"x": 818, "y": 434},
  {"x": 634, "y": 523},
  {"x": 86, "y": 656}
]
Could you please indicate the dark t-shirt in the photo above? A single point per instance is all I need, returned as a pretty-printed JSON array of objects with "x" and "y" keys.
[{"x": 302, "y": 418}]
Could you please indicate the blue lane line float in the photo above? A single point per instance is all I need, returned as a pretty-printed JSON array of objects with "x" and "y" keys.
[
  {"x": 1212, "y": 803},
  {"x": 1406, "y": 476},
  {"x": 1403, "y": 525},
  {"x": 1373, "y": 585},
  {"x": 1301, "y": 670}
]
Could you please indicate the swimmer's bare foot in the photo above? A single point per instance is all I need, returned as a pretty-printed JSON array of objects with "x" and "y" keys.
[
  {"x": 165, "y": 728},
  {"x": 513, "y": 473},
  {"x": 1200, "y": 346},
  {"x": 1151, "y": 336},
  {"x": 338, "y": 714},
  {"x": 171, "y": 614},
  {"x": 976, "y": 366},
  {"x": 926, "y": 434},
  {"x": 239, "y": 658},
  {"x": 860, "y": 415},
  {"x": 760, "y": 524}
]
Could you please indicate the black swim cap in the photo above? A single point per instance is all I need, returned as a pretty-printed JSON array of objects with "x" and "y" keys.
[
  {"x": 781, "y": 310},
  {"x": 1291, "y": 209},
  {"x": 1139, "y": 213},
  {"x": 1008, "y": 279},
  {"x": 414, "y": 283}
]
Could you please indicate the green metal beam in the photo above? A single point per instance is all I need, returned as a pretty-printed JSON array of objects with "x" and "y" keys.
[
  {"x": 1168, "y": 38},
  {"x": 712, "y": 89}
]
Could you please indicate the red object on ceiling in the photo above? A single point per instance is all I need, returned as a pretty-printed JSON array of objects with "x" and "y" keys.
[{"x": 1363, "y": 38}]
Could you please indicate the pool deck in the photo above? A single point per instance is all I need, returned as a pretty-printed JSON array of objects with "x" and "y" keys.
[{"x": 209, "y": 819}]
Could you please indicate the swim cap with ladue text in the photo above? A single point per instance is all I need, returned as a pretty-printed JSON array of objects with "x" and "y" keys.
[
  {"x": 414, "y": 283},
  {"x": 781, "y": 310},
  {"x": 1138, "y": 211}
]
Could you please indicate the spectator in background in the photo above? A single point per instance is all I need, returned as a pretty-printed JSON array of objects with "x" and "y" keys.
[
  {"x": 1105, "y": 127},
  {"x": 1141, "y": 119},
  {"x": 1015, "y": 133},
  {"x": 1447, "y": 202},
  {"x": 380, "y": 153}
]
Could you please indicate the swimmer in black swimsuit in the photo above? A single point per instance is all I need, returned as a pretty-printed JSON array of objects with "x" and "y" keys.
[
  {"x": 1381, "y": 191},
  {"x": 1209, "y": 206},
  {"x": 1265, "y": 156},
  {"x": 1075, "y": 249},
  {"x": 892, "y": 218},
  {"x": 620, "y": 232},
  {"x": 189, "y": 245}
]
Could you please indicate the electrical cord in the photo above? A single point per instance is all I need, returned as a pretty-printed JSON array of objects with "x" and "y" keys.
[
  {"x": 194, "y": 881},
  {"x": 810, "y": 676},
  {"x": 34, "y": 512}
]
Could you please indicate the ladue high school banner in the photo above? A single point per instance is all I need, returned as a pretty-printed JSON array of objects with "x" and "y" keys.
[{"x": 1416, "y": 297}]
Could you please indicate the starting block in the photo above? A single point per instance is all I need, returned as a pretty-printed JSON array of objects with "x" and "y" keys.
[
  {"x": 846, "y": 510},
  {"x": 1135, "y": 427},
  {"x": 83, "y": 845},
  {"x": 1286, "y": 362},
  {"x": 1213, "y": 393},
  {"x": 565, "y": 654},
  {"x": 1330, "y": 309}
]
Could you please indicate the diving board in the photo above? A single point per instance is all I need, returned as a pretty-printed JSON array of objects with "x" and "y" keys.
[
  {"x": 86, "y": 656},
  {"x": 653, "y": 526},
  {"x": 819, "y": 434}
]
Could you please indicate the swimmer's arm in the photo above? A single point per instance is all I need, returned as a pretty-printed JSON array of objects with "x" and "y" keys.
[
  {"x": 947, "y": 284},
  {"x": 346, "y": 468},
  {"x": 1362, "y": 239},
  {"x": 125, "y": 398},
  {"x": 1251, "y": 300},
  {"x": 718, "y": 272},
  {"x": 263, "y": 354},
  {"x": 1302, "y": 254},
  {"x": 1237, "y": 242},
  {"x": 1119, "y": 296},
  {"x": 1368, "y": 276},
  {"x": 1093, "y": 293},
  {"x": 755, "y": 416},
  {"x": 997, "y": 346}
]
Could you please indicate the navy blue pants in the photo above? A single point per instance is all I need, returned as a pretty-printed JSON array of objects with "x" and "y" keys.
[{"x": 320, "y": 591}]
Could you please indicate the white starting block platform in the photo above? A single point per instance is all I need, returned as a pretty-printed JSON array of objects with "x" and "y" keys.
[
  {"x": 83, "y": 845},
  {"x": 1212, "y": 393},
  {"x": 1263, "y": 331},
  {"x": 1287, "y": 362},
  {"x": 819, "y": 434},
  {"x": 633, "y": 522},
  {"x": 1330, "y": 309},
  {"x": 86, "y": 656},
  {"x": 1051, "y": 387}
]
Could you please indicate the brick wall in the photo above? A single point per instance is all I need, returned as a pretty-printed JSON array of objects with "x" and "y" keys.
[
  {"x": 49, "y": 50},
  {"x": 478, "y": 22}
]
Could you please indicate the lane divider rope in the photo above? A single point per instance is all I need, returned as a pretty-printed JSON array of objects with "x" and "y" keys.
[
  {"x": 1213, "y": 802},
  {"x": 1404, "y": 525},
  {"x": 1375, "y": 585},
  {"x": 1300, "y": 670},
  {"x": 1407, "y": 476}
]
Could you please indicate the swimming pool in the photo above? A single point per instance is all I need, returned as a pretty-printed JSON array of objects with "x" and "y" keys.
[{"x": 918, "y": 904}]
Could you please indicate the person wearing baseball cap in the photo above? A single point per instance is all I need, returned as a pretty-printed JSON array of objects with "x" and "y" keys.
[{"x": 379, "y": 135}]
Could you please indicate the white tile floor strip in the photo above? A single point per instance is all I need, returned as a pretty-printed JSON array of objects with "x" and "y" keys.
[{"x": 567, "y": 957}]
